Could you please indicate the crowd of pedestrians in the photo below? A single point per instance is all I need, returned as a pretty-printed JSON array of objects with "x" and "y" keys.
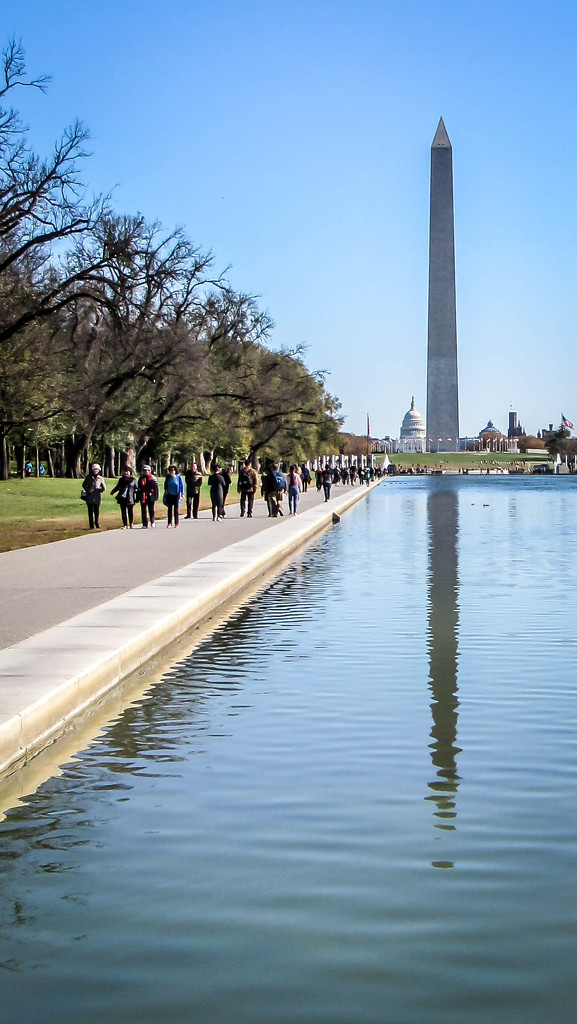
[{"x": 144, "y": 491}]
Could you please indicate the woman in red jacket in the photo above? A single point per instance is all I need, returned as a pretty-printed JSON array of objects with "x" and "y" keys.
[{"x": 147, "y": 492}]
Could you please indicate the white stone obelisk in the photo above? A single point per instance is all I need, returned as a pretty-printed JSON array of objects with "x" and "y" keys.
[{"x": 442, "y": 379}]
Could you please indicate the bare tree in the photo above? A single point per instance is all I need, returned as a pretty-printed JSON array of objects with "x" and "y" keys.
[{"x": 43, "y": 204}]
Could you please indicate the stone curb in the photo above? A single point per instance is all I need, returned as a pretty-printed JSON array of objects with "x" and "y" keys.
[{"x": 52, "y": 678}]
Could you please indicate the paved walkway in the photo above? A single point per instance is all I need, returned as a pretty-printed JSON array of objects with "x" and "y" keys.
[
  {"x": 47, "y": 585},
  {"x": 81, "y": 616}
]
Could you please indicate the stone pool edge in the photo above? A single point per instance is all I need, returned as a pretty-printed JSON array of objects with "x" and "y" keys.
[{"x": 49, "y": 680}]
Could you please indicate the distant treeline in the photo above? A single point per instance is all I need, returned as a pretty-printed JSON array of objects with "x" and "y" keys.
[{"x": 117, "y": 339}]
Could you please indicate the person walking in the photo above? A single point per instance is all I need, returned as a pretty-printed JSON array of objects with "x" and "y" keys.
[
  {"x": 294, "y": 489},
  {"x": 305, "y": 478},
  {"x": 327, "y": 480},
  {"x": 193, "y": 480},
  {"x": 275, "y": 489},
  {"x": 246, "y": 486},
  {"x": 93, "y": 487},
  {"x": 218, "y": 489},
  {"x": 173, "y": 492},
  {"x": 147, "y": 494},
  {"x": 125, "y": 490},
  {"x": 265, "y": 489},
  {"x": 227, "y": 477}
]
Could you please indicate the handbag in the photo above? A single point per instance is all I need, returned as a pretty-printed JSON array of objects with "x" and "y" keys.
[{"x": 83, "y": 495}]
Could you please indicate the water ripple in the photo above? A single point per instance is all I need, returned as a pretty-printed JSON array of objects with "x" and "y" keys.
[{"x": 353, "y": 802}]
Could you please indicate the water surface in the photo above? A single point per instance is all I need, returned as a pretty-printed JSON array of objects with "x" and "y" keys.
[{"x": 354, "y": 802}]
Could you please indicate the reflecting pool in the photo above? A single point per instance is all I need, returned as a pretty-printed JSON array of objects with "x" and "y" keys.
[{"x": 353, "y": 803}]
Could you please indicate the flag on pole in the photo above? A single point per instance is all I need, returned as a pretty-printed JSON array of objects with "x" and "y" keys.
[{"x": 566, "y": 423}]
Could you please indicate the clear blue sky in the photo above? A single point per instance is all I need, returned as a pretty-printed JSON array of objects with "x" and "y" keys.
[{"x": 293, "y": 139}]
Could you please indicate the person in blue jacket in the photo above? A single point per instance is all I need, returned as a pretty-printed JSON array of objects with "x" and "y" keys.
[{"x": 173, "y": 492}]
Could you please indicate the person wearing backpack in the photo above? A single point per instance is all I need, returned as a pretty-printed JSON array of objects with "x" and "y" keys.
[
  {"x": 246, "y": 487},
  {"x": 275, "y": 489}
]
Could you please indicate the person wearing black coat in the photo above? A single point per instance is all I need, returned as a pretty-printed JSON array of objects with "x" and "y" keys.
[
  {"x": 125, "y": 490},
  {"x": 93, "y": 487},
  {"x": 218, "y": 489},
  {"x": 193, "y": 481}
]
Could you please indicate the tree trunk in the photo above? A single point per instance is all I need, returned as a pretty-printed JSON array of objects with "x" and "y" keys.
[
  {"x": 144, "y": 456},
  {"x": 108, "y": 467},
  {"x": 127, "y": 458},
  {"x": 37, "y": 461},
  {"x": 20, "y": 452},
  {"x": 75, "y": 455},
  {"x": 205, "y": 461},
  {"x": 50, "y": 463},
  {"x": 4, "y": 458}
]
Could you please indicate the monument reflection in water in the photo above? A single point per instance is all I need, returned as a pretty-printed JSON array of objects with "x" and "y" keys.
[{"x": 442, "y": 643}]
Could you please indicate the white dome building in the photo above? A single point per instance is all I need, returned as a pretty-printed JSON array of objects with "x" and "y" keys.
[{"x": 413, "y": 431}]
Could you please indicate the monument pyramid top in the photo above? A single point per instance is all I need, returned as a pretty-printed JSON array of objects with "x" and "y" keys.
[{"x": 441, "y": 140}]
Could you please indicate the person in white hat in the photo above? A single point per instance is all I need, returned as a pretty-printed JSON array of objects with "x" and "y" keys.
[{"x": 92, "y": 489}]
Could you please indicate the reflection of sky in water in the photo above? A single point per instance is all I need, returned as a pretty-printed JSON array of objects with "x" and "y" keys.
[{"x": 251, "y": 843}]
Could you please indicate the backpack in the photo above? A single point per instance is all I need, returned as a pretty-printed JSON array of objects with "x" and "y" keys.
[
  {"x": 243, "y": 479},
  {"x": 278, "y": 479}
]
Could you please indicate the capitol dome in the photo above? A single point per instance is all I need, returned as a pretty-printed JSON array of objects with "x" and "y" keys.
[{"x": 413, "y": 425}]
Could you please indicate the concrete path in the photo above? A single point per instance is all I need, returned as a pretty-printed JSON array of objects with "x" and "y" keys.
[
  {"x": 86, "y": 614},
  {"x": 44, "y": 585}
]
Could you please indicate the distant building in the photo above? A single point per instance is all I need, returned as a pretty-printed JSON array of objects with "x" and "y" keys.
[
  {"x": 515, "y": 428},
  {"x": 491, "y": 439},
  {"x": 413, "y": 432},
  {"x": 490, "y": 430},
  {"x": 546, "y": 433}
]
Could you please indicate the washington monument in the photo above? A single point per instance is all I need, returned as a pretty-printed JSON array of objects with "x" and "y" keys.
[{"x": 442, "y": 380}]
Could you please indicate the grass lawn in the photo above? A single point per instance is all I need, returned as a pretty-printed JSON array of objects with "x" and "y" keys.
[
  {"x": 468, "y": 460},
  {"x": 40, "y": 510}
]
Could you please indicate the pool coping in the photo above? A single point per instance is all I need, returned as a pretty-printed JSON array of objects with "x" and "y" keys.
[{"x": 49, "y": 680}]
